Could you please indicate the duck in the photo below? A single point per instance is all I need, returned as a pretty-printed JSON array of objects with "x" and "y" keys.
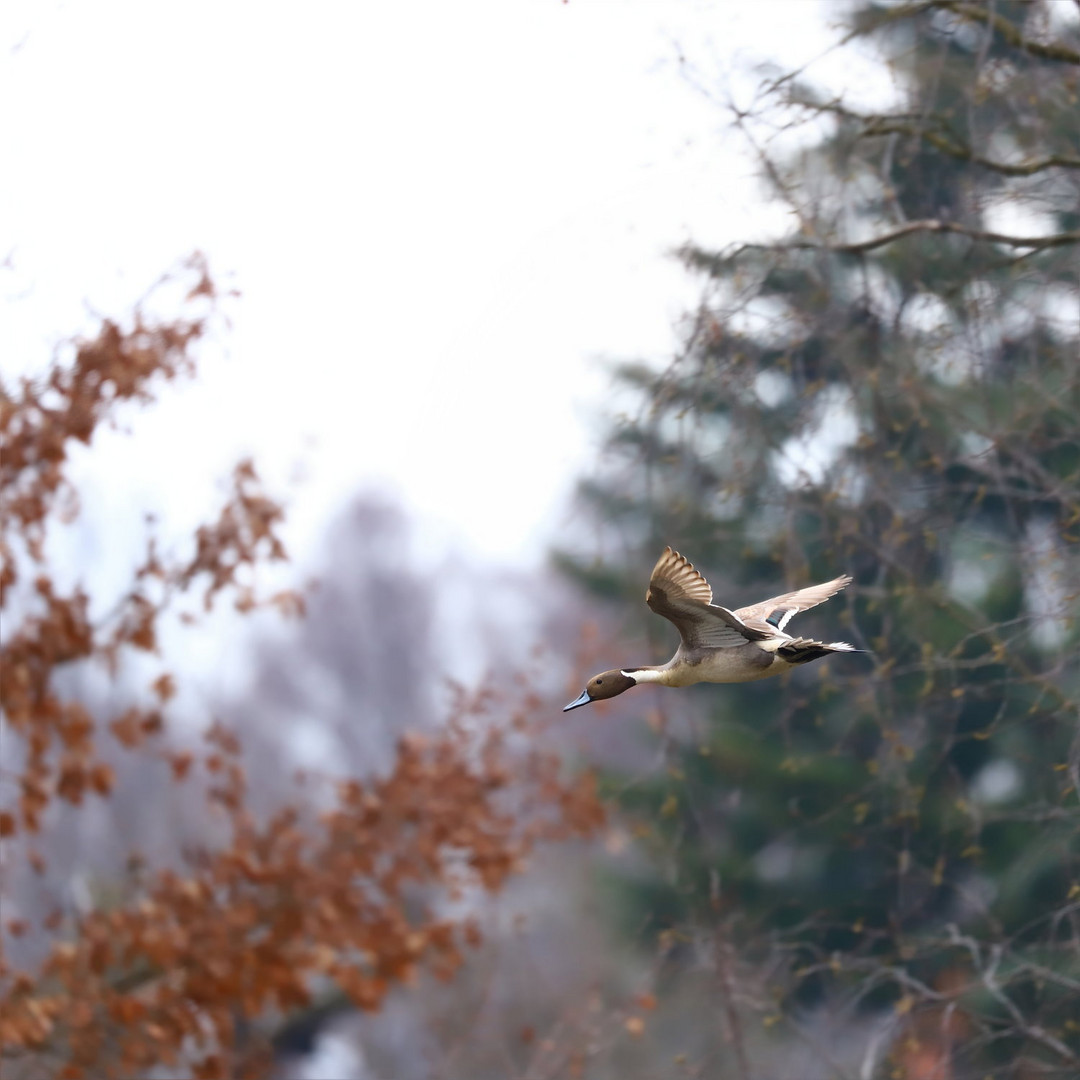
[{"x": 718, "y": 645}]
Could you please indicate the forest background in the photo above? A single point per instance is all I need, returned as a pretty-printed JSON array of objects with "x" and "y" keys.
[{"x": 869, "y": 869}]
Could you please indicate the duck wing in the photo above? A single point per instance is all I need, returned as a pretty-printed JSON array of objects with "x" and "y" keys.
[
  {"x": 679, "y": 593},
  {"x": 778, "y": 611}
]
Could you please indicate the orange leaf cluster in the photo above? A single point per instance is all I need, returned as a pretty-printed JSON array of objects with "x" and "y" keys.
[
  {"x": 283, "y": 906},
  {"x": 243, "y": 533},
  {"x": 38, "y": 425}
]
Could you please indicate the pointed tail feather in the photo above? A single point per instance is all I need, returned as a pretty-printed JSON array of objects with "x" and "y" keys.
[{"x": 803, "y": 650}]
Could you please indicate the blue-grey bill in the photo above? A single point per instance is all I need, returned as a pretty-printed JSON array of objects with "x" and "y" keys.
[{"x": 583, "y": 700}]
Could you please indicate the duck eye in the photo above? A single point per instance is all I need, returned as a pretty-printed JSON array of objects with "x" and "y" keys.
[{"x": 599, "y": 682}]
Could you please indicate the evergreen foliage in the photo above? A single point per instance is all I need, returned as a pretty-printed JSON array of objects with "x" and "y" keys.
[{"x": 893, "y": 391}]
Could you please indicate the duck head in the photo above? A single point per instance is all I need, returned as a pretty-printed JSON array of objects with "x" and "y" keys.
[{"x": 606, "y": 684}]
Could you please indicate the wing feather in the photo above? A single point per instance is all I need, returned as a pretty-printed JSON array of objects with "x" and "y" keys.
[
  {"x": 675, "y": 574},
  {"x": 778, "y": 611},
  {"x": 679, "y": 593}
]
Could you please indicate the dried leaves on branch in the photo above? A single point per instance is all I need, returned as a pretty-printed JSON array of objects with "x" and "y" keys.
[{"x": 286, "y": 905}]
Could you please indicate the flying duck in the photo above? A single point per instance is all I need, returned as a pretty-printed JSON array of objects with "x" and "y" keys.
[{"x": 718, "y": 645}]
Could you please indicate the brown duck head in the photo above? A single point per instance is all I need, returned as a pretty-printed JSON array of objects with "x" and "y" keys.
[{"x": 606, "y": 684}]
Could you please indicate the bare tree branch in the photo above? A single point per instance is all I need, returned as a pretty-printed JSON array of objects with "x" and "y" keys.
[
  {"x": 987, "y": 971},
  {"x": 986, "y": 15},
  {"x": 929, "y": 225},
  {"x": 881, "y": 125},
  {"x": 965, "y": 153},
  {"x": 721, "y": 951}
]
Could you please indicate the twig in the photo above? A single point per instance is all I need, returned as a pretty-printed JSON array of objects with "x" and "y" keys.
[
  {"x": 899, "y": 124},
  {"x": 1012, "y": 36},
  {"x": 723, "y": 975},
  {"x": 926, "y": 225},
  {"x": 987, "y": 975}
]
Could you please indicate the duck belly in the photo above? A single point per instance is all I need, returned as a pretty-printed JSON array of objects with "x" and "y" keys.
[{"x": 746, "y": 663}]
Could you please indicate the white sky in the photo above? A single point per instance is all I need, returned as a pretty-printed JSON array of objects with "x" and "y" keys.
[{"x": 439, "y": 216}]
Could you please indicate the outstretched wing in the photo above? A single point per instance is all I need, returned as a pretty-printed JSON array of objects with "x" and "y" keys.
[
  {"x": 779, "y": 610},
  {"x": 675, "y": 575},
  {"x": 679, "y": 593}
]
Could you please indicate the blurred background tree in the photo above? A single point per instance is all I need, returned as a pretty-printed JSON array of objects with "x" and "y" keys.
[
  {"x": 890, "y": 844},
  {"x": 868, "y": 870}
]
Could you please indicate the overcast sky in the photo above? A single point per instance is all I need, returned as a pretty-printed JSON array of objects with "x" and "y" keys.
[{"x": 440, "y": 217}]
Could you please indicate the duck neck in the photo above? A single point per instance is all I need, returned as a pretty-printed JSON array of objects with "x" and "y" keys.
[{"x": 646, "y": 674}]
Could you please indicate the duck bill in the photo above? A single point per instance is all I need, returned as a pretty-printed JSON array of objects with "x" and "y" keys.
[{"x": 579, "y": 701}]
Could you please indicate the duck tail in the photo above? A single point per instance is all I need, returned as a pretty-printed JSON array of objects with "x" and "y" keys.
[{"x": 803, "y": 650}]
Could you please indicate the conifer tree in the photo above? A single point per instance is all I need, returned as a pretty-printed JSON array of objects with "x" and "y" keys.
[{"x": 891, "y": 390}]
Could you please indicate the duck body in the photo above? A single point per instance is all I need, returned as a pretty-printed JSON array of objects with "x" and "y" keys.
[
  {"x": 718, "y": 645},
  {"x": 745, "y": 663}
]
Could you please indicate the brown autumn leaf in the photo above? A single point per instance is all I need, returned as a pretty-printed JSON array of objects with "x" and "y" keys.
[{"x": 158, "y": 976}]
